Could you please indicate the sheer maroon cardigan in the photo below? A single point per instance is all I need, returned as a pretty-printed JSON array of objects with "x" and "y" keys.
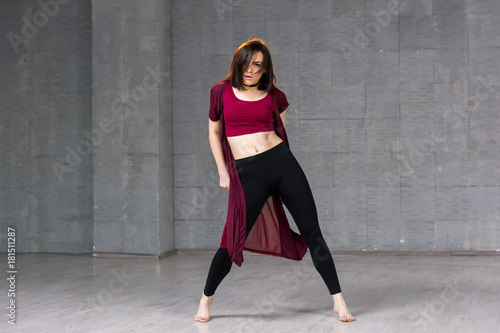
[{"x": 271, "y": 234}]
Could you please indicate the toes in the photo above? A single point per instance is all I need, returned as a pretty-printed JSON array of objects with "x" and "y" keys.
[
  {"x": 200, "y": 319},
  {"x": 346, "y": 319}
]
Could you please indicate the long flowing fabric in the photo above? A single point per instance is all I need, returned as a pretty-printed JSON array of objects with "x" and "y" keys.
[{"x": 271, "y": 234}]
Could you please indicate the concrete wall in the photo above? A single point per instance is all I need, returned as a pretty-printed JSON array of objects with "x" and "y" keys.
[
  {"x": 393, "y": 115},
  {"x": 132, "y": 109},
  {"x": 45, "y": 103},
  {"x": 86, "y": 126}
]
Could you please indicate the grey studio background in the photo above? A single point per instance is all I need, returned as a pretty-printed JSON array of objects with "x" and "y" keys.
[{"x": 393, "y": 115}]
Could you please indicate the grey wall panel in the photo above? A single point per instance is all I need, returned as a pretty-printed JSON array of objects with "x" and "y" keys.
[
  {"x": 350, "y": 204},
  {"x": 457, "y": 7},
  {"x": 45, "y": 109},
  {"x": 483, "y": 7},
  {"x": 485, "y": 215},
  {"x": 417, "y": 203},
  {"x": 349, "y": 169},
  {"x": 282, "y": 10},
  {"x": 318, "y": 168},
  {"x": 452, "y": 169},
  {"x": 416, "y": 32},
  {"x": 345, "y": 235},
  {"x": 349, "y": 135},
  {"x": 418, "y": 235},
  {"x": 382, "y": 84},
  {"x": 133, "y": 165},
  {"x": 450, "y": 65},
  {"x": 452, "y": 204},
  {"x": 450, "y": 32},
  {"x": 415, "y": 8},
  {"x": 383, "y": 135},
  {"x": 346, "y": 8},
  {"x": 452, "y": 235},
  {"x": 248, "y": 11},
  {"x": 393, "y": 115},
  {"x": 315, "y": 136}
]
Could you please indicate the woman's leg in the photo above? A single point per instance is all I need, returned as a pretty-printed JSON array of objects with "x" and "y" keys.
[
  {"x": 220, "y": 267},
  {"x": 297, "y": 196},
  {"x": 256, "y": 194}
]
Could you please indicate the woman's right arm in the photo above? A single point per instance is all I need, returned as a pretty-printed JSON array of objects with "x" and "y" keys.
[{"x": 216, "y": 146}]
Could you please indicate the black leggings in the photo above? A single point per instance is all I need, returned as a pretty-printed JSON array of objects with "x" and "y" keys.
[{"x": 276, "y": 171}]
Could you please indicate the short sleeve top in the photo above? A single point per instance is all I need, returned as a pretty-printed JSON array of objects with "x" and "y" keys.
[{"x": 230, "y": 104}]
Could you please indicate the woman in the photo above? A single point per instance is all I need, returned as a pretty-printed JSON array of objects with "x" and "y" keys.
[{"x": 249, "y": 144}]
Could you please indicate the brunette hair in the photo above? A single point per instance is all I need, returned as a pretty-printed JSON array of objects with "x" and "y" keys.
[{"x": 241, "y": 61}]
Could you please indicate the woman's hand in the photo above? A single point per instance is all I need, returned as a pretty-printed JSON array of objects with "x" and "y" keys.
[
  {"x": 224, "y": 180},
  {"x": 216, "y": 146}
]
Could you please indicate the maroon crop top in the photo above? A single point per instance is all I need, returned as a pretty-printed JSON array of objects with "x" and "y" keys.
[
  {"x": 247, "y": 117},
  {"x": 271, "y": 233}
]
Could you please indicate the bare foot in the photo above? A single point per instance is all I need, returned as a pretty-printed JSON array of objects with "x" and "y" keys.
[
  {"x": 203, "y": 314},
  {"x": 340, "y": 308}
]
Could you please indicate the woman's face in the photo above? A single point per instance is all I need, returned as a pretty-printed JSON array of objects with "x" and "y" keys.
[{"x": 254, "y": 71}]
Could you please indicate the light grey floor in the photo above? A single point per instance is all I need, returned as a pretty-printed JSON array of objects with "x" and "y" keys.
[{"x": 387, "y": 293}]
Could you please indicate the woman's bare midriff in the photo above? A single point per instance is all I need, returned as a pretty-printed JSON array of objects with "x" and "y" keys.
[{"x": 252, "y": 144}]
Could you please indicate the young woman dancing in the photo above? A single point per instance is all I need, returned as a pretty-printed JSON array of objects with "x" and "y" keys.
[{"x": 250, "y": 147}]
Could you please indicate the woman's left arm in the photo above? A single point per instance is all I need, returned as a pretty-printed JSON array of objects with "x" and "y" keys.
[{"x": 283, "y": 120}]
